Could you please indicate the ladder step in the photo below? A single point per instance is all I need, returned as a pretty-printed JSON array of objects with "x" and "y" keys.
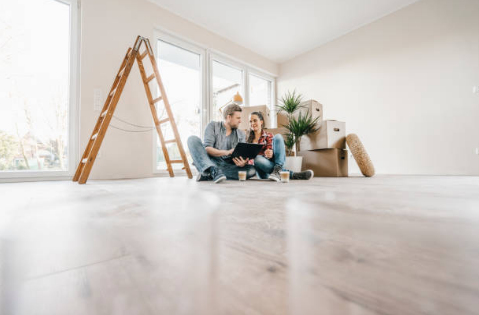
[
  {"x": 84, "y": 160},
  {"x": 176, "y": 161},
  {"x": 157, "y": 100},
  {"x": 163, "y": 121},
  {"x": 104, "y": 113},
  {"x": 94, "y": 136},
  {"x": 151, "y": 77},
  {"x": 170, "y": 141},
  {"x": 143, "y": 55}
]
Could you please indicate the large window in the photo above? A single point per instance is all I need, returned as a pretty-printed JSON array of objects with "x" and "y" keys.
[
  {"x": 37, "y": 87},
  {"x": 181, "y": 73},
  {"x": 198, "y": 83},
  {"x": 227, "y": 81},
  {"x": 259, "y": 91}
]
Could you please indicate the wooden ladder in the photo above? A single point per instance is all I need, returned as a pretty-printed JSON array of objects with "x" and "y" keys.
[{"x": 93, "y": 146}]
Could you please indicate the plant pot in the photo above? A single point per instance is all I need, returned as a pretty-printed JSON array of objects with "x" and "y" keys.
[{"x": 293, "y": 163}]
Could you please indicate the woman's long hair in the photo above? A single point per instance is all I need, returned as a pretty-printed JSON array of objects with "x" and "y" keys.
[{"x": 251, "y": 131}]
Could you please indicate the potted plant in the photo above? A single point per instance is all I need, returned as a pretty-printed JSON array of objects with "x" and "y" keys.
[{"x": 299, "y": 124}]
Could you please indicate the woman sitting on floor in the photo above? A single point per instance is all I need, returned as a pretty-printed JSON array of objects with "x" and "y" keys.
[{"x": 270, "y": 160}]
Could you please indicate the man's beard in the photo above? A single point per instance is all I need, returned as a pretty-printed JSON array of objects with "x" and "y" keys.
[{"x": 234, "y": 126}]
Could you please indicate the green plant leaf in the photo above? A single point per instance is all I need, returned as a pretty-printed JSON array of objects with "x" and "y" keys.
[
  {"x": 290, "y": 102},
  {"x": 302, "y": 125}
]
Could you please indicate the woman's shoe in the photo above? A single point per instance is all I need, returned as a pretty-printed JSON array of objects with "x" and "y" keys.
[{"x": 275, "y": 175}]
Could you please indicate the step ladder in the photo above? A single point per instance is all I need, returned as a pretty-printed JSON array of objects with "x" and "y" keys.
[{"x": 93, "y": 146}]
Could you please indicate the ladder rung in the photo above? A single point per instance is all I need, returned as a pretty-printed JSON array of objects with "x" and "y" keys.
[
  {"x": 170, "y": 141},
  {"x": 176, "y": 161},
  {"x": 143, "y": 55},
  {"x": 151, "y": 77},
  {"x": 163, "y": 121},
  {"x": 94, "y": 136},
  {"x": 157, "y": 100},
  {"x": 84, "y": 160},
  {"x": 104, "y": 113}
]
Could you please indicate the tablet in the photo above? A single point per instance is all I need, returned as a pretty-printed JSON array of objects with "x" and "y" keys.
[{"x": 247, "y": 150}]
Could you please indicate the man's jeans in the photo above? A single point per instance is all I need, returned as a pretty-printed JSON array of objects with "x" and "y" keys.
[
  {"x": 202, "y": 161},
  {"x": 265, "y": 166}
]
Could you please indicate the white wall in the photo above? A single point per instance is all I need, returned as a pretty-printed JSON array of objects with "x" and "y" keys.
[
  {"x": 404, "y": 85},
  {"x": 108, "y": 28}
]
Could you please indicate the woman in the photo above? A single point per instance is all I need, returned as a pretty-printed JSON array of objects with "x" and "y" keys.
[{"x": 271, "y": 158}]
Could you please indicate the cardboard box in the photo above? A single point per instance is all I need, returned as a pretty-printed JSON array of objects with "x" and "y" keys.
[
  {"x": 314, "y": 107},
  {"x": 248, "y": 110},
  {"x": 281, "y": 119},
  {"x": 326, "y": 162},
  {"x": 331, "y": 135}
]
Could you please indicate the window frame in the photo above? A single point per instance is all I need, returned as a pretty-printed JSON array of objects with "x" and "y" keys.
[
  {"x": 160, "y": 35},
  {"x": 73, "y": 110}
]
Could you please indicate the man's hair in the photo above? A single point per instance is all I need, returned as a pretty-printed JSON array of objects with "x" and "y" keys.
[{"x": 231, "y": 109}]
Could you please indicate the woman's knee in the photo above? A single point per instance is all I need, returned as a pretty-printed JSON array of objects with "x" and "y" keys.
[
  {"x": 260, "y": 161},
  {"x": 278, "y": 140}
]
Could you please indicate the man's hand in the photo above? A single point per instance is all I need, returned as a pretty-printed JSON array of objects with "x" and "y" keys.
[
  {"x": 215, "y": 152},
  {"x": 268, "y": 153},
  {"x": 240, "y": 162}
]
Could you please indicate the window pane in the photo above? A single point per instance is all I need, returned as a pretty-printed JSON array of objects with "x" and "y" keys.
[
  {"x": 227, "y": 81},
  {"x": 180, "y": 72},
  {"x": 34, "y": 85},
  {"x": 259, "y": 91}
]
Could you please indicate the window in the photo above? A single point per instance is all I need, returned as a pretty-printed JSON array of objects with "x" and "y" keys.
[
  {"x": 259, "y": 91},
  {"x": 227, "y": 81},
  {"x": 181, "y": 73},
  {"x": 198, "y": 83},
  {"x": 37, "y": 88}
]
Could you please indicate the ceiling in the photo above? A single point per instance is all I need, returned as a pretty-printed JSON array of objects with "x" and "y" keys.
[{"x": 281, "y": 29}]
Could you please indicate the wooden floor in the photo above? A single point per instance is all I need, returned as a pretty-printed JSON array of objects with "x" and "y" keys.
[{"x": 382, "y": 245}]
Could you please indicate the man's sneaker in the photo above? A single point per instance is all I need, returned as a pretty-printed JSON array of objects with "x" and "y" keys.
[
  {"x": 306, "y": 175},
  {"x": 275, "y": 175},
  {"x": 217, "y": 175},
  {"x": 203, "y": 176}
]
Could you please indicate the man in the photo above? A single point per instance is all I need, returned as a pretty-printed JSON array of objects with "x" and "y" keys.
[{"x": 213, "y": 158}]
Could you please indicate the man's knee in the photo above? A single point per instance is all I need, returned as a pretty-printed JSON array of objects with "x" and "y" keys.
[{"x": 193, "y": 140}]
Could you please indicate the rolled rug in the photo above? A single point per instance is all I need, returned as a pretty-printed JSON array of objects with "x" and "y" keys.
[{"x": 360, "y": 155}]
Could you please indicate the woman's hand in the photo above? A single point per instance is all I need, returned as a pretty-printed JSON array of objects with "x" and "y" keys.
[
  {"x": 240, "y": 162},
  {"x": 268, "y": 153}
]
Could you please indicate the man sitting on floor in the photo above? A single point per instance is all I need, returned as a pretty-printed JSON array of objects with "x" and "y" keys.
[{"x": 213, "y": 158}]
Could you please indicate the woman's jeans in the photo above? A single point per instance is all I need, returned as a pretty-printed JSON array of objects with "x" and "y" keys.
[
  {"x": 265, "y": 166},
  {"x": 202, "y": 161}
]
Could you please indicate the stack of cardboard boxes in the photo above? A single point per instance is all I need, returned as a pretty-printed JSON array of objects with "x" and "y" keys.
[{"x": 324, "y": 151}]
